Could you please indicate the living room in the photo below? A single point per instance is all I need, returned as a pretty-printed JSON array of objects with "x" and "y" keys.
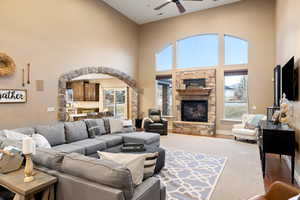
[{"x": 200, "y": 66}]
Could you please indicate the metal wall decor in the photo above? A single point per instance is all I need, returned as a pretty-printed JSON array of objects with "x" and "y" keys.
[{"x": 7, "y": 65}]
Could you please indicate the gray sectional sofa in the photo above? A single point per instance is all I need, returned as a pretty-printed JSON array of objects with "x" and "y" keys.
[{"x": 81, "y": 175}]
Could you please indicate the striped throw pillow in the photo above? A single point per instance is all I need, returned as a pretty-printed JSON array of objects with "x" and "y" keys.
[{"x": 150, "y": 163}]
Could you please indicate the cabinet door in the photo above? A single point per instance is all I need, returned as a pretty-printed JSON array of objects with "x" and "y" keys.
[
  {"x": 78, "y": 91},
  {"x": 87, "y": 96},
  {"x": 92, "y": 91}
]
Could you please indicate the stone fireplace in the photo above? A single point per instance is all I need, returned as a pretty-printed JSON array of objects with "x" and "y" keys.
[{"x": 195, "y": 100}]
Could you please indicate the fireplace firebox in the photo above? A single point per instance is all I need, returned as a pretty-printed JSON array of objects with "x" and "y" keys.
[{"x": 194, "y": 110}]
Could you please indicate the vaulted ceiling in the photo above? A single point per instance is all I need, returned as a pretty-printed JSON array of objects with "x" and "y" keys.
[{"x": 142, "y": 11}]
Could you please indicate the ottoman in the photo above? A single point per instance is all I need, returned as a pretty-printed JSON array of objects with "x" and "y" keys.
[
  {"x": 145, "y": 138},
  {"x": 160, "y": 162}
]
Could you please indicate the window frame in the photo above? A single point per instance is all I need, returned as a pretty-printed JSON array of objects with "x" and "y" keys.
[
  {"x": 224, "y": 51},
  {"x": 235, "y": 72},
  {"x": 160, "y": 77},
  {"x": 172, "y": 55},
  {"x": 115, "y": 104},
  {"x": 199, "y": 67}
]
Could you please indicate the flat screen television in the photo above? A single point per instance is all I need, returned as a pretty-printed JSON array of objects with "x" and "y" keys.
[{"x": 290, "y": 80}]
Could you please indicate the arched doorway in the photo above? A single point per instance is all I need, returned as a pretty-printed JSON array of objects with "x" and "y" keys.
[{"x": 66, "y": 77}]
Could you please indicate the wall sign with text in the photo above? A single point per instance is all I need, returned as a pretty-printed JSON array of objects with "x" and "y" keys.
[{"x": 13, "y": 96}]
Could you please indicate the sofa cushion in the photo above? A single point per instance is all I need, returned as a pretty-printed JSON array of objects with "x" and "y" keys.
[
  {"x": 76, "y": 131},
  {"x": 140, "y": 137},
  {"x": 27, "y": 130},
  {"x": 95, "y": 127},
  {"x": 69, "y": 148},
  {"x": 55, "y": 134},
  {"x": 110, "y": 140},
  {"x": 91, "y": 146},
  {"x": 49, "y": 158},
  {"x": 101, "y": 171}
]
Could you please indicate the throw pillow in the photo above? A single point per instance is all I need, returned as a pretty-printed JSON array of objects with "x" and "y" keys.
[
  {"x": 41, "y": 141},
  {"x": 134, "y": 162},
  {"x": 106, "y": 125},
  {"x": 95, "y": 127},
  {"x": 253, "y": 122},
  {"x": 116, "y": 125},
  {"x": 12, "y": 135},
  {"x": 150, "y": 163},
  {"x": 155, "y": 118}
]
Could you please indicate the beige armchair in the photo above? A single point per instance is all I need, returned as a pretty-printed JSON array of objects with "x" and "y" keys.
[
  {"x": 239, "y": 130},
  {"x": 279, "y": 191}
]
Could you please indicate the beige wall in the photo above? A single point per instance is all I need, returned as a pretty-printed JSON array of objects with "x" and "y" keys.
[
  {"x": 288, "y": 45},
  {"x": 253, "y": 20},
  {"x": 57, "y": 36}
]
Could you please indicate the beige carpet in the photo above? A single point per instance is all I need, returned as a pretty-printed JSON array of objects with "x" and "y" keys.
[{"x": 242, "y": 176}]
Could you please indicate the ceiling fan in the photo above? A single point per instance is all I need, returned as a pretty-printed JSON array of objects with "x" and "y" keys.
[{"x": 178, "y": 4}]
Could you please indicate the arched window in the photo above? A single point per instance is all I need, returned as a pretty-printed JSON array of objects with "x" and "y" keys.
[
  {"x": 236, "y": 50},
  {"x": 198, "y": 51},
  {"x": 164, "y": 59}
]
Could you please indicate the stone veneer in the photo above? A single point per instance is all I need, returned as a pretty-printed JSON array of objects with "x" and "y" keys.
[
  {"x": 208, "y": 93},
  {"x": 62, "y": 86}
]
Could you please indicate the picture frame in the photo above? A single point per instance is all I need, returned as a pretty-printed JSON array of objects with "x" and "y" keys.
[{"x": 12, "y": 96}]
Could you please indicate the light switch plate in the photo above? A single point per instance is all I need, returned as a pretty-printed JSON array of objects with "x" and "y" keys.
[{"x": 51, "y": 109}]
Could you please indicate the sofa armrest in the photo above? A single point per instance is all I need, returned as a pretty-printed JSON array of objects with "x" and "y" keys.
[
  {"x": 75, "y": 188},
  {"x": 148, "y": 190},
  {"x": 146, "y": 123}
]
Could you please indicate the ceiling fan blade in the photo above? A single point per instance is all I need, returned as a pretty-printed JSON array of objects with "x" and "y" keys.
[
  {"x": 180, "y": 7},
  {"x": 162, "y": 5}
]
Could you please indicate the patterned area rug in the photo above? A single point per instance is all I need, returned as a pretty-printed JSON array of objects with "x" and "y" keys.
[{"x": 191, "y": 176}]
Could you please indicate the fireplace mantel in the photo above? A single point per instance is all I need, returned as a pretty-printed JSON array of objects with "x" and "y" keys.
[{"x": 194, "y": 91}]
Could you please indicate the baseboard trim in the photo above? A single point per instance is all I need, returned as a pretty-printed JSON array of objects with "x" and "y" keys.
[
  {"x": 223, "y": 132},
  {"x": 287, "y": 159}
]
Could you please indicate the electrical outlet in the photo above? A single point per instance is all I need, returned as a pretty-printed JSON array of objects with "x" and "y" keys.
[{"x": 51, "y": 109}]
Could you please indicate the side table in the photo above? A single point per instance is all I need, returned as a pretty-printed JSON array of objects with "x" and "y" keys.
[{"x": 25, "y": 191}]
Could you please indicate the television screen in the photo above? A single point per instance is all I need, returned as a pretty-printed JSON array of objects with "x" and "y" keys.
[{"x": 288, "y": 79}]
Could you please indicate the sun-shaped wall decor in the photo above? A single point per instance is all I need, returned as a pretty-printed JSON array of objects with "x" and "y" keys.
[{"x": 7, "y": 65}]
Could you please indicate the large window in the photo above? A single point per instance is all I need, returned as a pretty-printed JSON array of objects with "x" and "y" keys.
[
  {"x": 115, "y": 101},
  {"x": 236, "y": 51},
  {"x": 198, "y": 51},
  {"x": 235, "y": 94},
  {"x": 164, "y": 59},
  {"x": 164, "y": 94}
]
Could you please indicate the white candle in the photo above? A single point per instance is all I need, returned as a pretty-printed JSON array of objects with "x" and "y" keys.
[{"x": 27, "y": 146}]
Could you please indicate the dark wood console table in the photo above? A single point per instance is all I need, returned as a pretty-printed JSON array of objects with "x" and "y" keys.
[{"x": 276, "y": 139}]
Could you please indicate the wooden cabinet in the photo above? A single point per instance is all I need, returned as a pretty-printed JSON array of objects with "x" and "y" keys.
[
  {"x": 91, "y": 91},
  {"x": 84, "y": 91}
]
